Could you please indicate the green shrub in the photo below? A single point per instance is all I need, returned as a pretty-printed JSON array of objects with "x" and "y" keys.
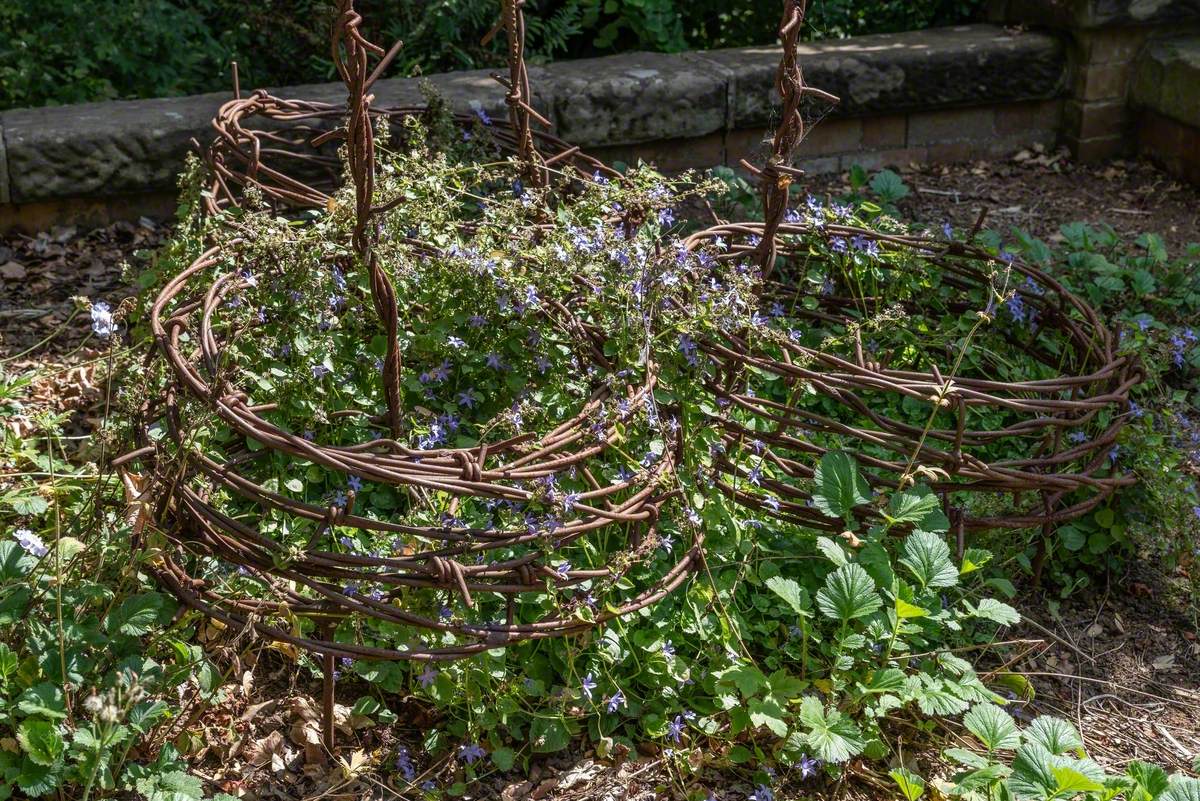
[{"x": 61, "y": 51}]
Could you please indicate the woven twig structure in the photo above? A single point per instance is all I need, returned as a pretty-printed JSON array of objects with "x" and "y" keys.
[
  {"x": 1058, "y": 431},
  {"x": 302, "y": 597}
]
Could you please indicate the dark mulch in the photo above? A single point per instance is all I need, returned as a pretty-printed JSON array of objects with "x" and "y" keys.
[{"x": 1041, "y": 191}]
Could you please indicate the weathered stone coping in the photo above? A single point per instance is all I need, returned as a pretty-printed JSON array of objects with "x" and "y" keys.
[{"x": 124, "y": 148}]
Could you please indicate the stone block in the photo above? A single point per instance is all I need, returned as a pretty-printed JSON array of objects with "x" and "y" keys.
[
  {"x": 823, "y": 165},
  {"x": 5, "y": 197},
  {"x": 878, "y": 159},
  {"x": 940, "y": 67},
  {"x": 952, "y": 125},
  {"x": 1091, "y": 120},
  {"x": 1036, "y": 117},
  {"x": 885, "y": 131},
  {"x": 1094, "y": 13},
  {"x": 1108, "y": 46},
  {"x": 751, "y": 144},
  {"x": 1168, "y": 79},
  {"x": 833, "y": 135},
  {"x": 673, "y": 155},
  {"x": 1102, "y": 81},
  {"x": 1098, "y": 148},
  {"x": 638, "y": 97},
  {"x": 1172, "y": 144}
]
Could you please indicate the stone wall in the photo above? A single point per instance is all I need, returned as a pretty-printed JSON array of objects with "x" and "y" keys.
[
  {"x": 1166, "y": 96},
  {"x": 938, "y": 95},
  {"x": 1104, "y": 41}
]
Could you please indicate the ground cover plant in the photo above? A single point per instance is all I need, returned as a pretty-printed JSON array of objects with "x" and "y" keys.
[{"x": 796, "y": 657}]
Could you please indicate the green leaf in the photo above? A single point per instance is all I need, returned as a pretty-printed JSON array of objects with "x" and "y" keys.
[
  {"x": 8, "y": 663},
  {"x": 927, "y": 557},
  {"x": 766, "y": 712},
  {"x": 45, "y": 699},
  {"x": 973, "y": 559},
  {"x": 137, "y": 614},
  {"x": 145, "y": 715},
  {"x": 912, "y": 506},
  {"x": 832, "y": 737},
  {"x": 833, "y": 552},
  {"x": 747, "y": 678},
  {"x": 911, "y": 785},
  {"x": 1148, "y": 781},
  {"x": 548, "y": 735},
  {"x": 1032, "y": 776},
  {"x": 1071, "y": 782},
  {"x": 840, "y": 487},
  {"x": 40, "y": 741},
  {"x": 905, "y": 610},
  {"x": 886, "y": 680},
  {"x": 996, "y": 611},
  {"x": 29, "y": 505},
  {"x": 1181, "y": 788},
  {"x": 792, "y": 593},
  {"x": 848, "y": 593},
  {"x": 504, "y": 758},
  {"x": 14, "y": 562},
  {"x": 993, "y": 726},
  {"x": 37, "y": 780},
  {"x": 172, "y": 785},
  {"x": 1054, "y": 734},
  {"x": 889, "y": 186}
]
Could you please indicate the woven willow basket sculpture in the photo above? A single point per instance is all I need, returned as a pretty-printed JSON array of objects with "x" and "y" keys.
[
  {"x": 447, "y": 590},
  {"x": 809, "y": 380}
]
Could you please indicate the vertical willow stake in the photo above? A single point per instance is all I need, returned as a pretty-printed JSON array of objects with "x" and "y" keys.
[
  {"x": 351, "y": 53},
  {"x": 519, "y": 96},
  {"x": 777, "y": 175}
]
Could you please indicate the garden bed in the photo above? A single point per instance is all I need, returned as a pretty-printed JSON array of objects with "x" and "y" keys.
[{"x": 1125, "y": 666}]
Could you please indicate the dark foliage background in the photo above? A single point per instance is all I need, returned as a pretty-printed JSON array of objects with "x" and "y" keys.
[{"x": 68, "y": 51}]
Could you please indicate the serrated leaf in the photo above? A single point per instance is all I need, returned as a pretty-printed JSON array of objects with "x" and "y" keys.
[
  {"x": 833, "y": 552},
  {"x": 1072, "y": 782},
  {"x": 911, "y": 785},
  {"x": 1032, "y": 777},
  {"x": 1149, "y": 781},
  {"x": 840, "y": 487},
  {"x": 1054, "y": 734},
  {"x": 792, "y": 593},
  {"x": 137, "y": 614},
  {"x": 912, "y": 506},
  {"x": 886, "y": 680},
  {"x": 848, "y": 593},
  {"x": 993, "y": 726},
  {"x": 1181, "y": 788},
  {"x": 832, "y": 737},
  {"x": 934, "y": 699},
  {"x": 45, "y": 700},
  {"x": 14, "y": 562},
  {"x": 145, "y": 715},
  {"x": 37, "y": 780},
  {"x": 40, "y": 741},
  {"x": 996, "y": 611},
  {"x": 747, "y": 678},
  {"x": 964, "y": 757},
  {"x": 927, "y": 557}
]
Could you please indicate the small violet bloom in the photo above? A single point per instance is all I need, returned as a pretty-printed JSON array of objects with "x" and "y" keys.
[
  {"x": 31, "y": 542},
  {"x": 102, "y": 320}
]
